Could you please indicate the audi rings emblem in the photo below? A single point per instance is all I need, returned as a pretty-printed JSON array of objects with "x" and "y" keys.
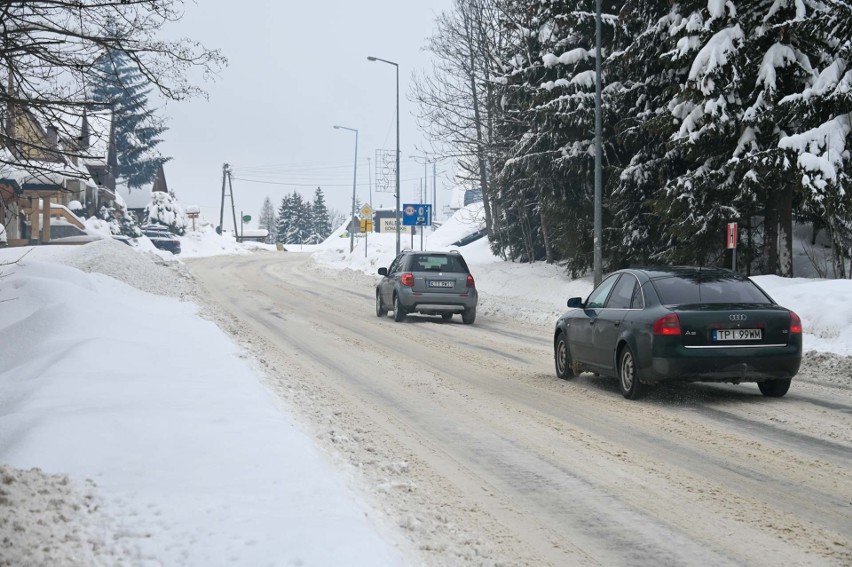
[{"x": 737, "y": 317}]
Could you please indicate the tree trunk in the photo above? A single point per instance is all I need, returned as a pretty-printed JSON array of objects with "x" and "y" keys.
[
  {"x": 770, "y": 236},
  {"x": 785, "y": 232},
  {"x": 480, "y": 145},
  {"x": 548, "y": 249}
]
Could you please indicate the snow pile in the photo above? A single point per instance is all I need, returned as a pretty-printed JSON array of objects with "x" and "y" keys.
[
  {"x": 192, "y": 459},
  {"x": 49, "y": 519}
]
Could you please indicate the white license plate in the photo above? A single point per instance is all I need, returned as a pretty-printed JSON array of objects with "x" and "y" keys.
[
  {"x": 737, "y": 335},
  {"x": 439, "y": 283}
]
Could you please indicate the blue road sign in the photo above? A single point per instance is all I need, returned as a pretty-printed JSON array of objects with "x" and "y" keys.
[{"x": 416, "y": 214}]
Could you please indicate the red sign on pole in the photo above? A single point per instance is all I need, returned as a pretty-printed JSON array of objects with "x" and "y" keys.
[{"x": 732, "y": 236}]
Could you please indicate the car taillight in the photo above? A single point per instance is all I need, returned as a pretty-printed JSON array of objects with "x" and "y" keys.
[
  {"x": 407, "y": 280},
  {"x": 795, "y": 324},
  {"x": 470, "y": 282},
  {"x": 668, "y": 325}
]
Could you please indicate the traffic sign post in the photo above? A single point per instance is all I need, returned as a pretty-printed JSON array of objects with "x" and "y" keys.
[
  {"x": 366, "y": 224},
  {"x": 731, "y": 242},
  {"x": 417, "y": 214}
]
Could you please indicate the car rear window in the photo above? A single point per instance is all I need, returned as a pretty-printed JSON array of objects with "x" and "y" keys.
[
  {"x": 438, "y": 263},
  {"x": 683, "y": 291}
]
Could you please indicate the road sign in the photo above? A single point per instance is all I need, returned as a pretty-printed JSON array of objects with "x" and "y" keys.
[
  {"x": 366, "y": 211},
  {"x": 732, "y": 236},
  {"x": 246, "y": 218},
  {"x": 366, "y": 225},
  {"x": 416, "y": 214}
]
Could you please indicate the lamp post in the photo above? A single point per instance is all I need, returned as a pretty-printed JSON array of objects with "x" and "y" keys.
[
  {"x": 354, "y": 178},
  {"x": 371, "y": 58},
  {"x": 598, "y": 240}
]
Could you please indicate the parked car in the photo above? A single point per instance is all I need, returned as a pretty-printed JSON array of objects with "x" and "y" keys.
[
  {"x": 646, "y": 326},
  {"x": 431, "y": 283},
  {"x": 162, "y": 238}
]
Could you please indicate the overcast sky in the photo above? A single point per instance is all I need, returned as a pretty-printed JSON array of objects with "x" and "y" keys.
[{"x": 295, "y": 70}]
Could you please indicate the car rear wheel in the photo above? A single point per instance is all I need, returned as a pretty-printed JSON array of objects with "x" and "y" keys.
[
  {"x": 469, "y": 316},
  {"x": 774, "y": 388},
  {"x": 398, "y": 311},
  {"x": 563, "y": 361},
  {"x": 380, "y": 309},
  {"x": 628, "y": 377},
  {"x": 446, "y": 316}
]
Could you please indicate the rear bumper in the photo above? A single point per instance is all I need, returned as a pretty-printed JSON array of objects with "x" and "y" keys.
[
  {"x": 726, "y": 365},
  {"x": 433, "y": 303}
]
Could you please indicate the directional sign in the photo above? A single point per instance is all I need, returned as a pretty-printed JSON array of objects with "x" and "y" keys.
[
  {"x": 246, "y": 218},
  {"x": 416, "y": 214}
]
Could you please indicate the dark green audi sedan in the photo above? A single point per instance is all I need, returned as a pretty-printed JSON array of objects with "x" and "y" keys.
[{"x": 652, "y": 325}]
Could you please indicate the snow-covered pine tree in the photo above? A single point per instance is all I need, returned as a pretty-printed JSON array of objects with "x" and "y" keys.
[
  {"x": 819, "y": 147},
  {"x": 284, "y": 217},
  {"x": 298, "y": 219},
  {"x": 165, "y": 209},
  {"x": 119, "y": 85},
  {"x": 267, "y": 219},
  {"x": 119, "y": 219},
  {"x": 548, "y": 94},
  {"x": 321, "y": 226},
  {"x": 647, "y": 65}
]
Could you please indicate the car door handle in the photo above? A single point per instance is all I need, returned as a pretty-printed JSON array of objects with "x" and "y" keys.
[
  {"x": 617, "y": 323},
  {"x": 592, "y": 321}
]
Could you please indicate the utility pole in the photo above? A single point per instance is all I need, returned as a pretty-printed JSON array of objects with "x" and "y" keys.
[
  {"x": 222, "y": 206},
  {"x": 233, "y": 208}
]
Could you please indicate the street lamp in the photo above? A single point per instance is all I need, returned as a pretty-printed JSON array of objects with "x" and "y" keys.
[
  {"x": 598, "y": 240},
  {"x": 354, "y": 177},
  {"x": 371, "y": 58}
]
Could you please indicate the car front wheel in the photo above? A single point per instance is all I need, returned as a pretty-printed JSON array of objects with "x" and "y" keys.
[
  {"x": 628, "y": 377},
  {"x": 380, "y": 309},
  {"x": 774, "y": 388},
  {"x": 398, "y": 311},
  {"x": 563, "y": 361}
]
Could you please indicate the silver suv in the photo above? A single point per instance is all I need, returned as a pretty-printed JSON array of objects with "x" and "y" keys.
[{"x": 431, "y": 283}]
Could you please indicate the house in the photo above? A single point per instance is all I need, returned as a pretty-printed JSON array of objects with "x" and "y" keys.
[
  {"x": 43, "y": 172},
  {"x": 34, "y": 176}
]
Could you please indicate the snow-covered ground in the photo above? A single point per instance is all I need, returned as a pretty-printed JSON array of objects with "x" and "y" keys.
[{"x": 133, "y": 431}]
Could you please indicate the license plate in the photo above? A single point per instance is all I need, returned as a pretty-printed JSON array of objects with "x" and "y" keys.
[
  {"x": 737, "y": 335},
  {"x": 439, "y": 283}
]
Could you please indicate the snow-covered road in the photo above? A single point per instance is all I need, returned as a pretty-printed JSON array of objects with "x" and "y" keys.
[{"x": 464, "y": 436}]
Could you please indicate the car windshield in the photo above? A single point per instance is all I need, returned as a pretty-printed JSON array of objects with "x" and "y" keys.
[
  {"x": 438, "y": 263},
  {"x": 681, "y": 290}
]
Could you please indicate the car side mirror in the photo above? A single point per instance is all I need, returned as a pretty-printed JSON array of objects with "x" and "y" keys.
[
  {"x": 575, "y": 302},
  {"x": 383, "y": 271}
]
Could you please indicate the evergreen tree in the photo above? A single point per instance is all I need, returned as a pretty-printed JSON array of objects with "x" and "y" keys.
[
  {"x": 299, "y": 219},
  {"x": 284, "y": 220},
  {"x": 546, "y": 183},
  {"x": 165, "y": 209},
  {"x": 268, "y": 220},
  {"x": 120, "y": 220},
  {"x": 321, "y": 226},
  {"x": 119, "y": 85}
]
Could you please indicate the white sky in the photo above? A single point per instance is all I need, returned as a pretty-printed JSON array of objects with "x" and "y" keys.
[
  {"x": 192, "y": 465},
  {"x": 295, "y": 70}
]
